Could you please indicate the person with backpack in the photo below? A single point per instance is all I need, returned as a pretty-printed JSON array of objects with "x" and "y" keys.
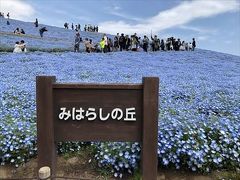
[{"x": 122, "y": 42}]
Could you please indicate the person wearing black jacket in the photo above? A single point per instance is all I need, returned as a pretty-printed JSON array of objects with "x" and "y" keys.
[
  {"x": 42, "y": 30},
  {"x": 177, "y": 45},
  {"x": 193, "y": 44},
  {"x": 22, "y": 31},
  {"x": 122, "y": 42},
  {"x": 162, "y": 45},
  {"x": 115, "y": 43},
  {"x": 36, "y": 23}
]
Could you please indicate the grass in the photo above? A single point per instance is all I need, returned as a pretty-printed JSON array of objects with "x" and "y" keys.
[
  {"x": 34, "y": 49},
  {"x": 226, "y": 175}
]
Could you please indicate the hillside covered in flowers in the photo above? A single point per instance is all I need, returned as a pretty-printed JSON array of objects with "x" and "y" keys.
[{"x": 199, "y": 102}]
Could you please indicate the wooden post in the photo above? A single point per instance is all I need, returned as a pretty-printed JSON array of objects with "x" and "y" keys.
[
  {"x": 150, "y": 128},
  {"x": 45, "y": 129}
]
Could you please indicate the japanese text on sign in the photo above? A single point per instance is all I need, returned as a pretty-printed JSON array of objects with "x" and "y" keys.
[{"x": 128, "y": 114}]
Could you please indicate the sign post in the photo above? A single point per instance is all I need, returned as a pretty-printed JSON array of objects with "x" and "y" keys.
[{"x": 97, "y": 112}]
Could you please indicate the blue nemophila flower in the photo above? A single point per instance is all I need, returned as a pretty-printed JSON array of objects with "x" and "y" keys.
[{"x": 199, "y": 115}]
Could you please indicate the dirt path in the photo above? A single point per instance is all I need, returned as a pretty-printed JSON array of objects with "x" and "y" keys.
[{"x": 80, "y": 167}]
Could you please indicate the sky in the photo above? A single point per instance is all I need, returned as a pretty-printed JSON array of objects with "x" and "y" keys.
[{"x": 215, "y": 24}]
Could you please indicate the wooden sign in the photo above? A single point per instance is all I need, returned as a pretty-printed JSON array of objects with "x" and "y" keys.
[{"x": 97, "y": 112}]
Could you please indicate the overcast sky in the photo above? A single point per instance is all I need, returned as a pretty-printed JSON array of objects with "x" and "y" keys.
[{"x": 214, "y": 23}]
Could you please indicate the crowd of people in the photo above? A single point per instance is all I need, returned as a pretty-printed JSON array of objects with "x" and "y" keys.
[
  {"x": 8, "y": 16},
  {"x": 2, "y": 15},
  {"x": 90, "y": 28},
  {"x": 117, "y": 43},
  {"x": 77, "y": 27},
  {"x": 18, "y": 31},
  {"x": 41, "y": 30},
  {"x": 134, "y": 43},
  {"x": 21, "y": 31}
]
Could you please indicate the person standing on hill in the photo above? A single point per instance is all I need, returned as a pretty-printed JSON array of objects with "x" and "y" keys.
[
  {"x": 162, "y": 45},
  {"x": 102, "y": 44},
  {"x": 8, "y": 15},
  {"x": 115, "y": 43},
  {"x": 193, "y": 44},
  {"x": 66, "y": 25},
  {"x": 72, "y": 26},
  {"x": 105, "y": 43},
  {"x": 122, "y": 42},
  {"x": 134, "y": 42},
  {"x": 42, "y": 30},
  {"x": 77, "y": 42},
  {"x": 145, "y": 43},
  {"x": 36, "y": 23},
  {"x": 127, "y": 42},
  {"x": 154, "y": 43},
  {"x": 79, "y": 27}
]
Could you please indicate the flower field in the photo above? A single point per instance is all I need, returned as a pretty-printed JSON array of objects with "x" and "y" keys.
[
  {"x": 199, "y": 105},
  {"x": 199, "y": 112},
  {"x": 54, "y": 38}
]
